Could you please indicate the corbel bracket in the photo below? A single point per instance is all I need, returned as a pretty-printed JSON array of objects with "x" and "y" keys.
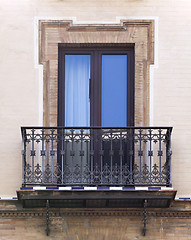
[
  {"x": 47, "y": 218},
  {"x": 145, "y": 217}
]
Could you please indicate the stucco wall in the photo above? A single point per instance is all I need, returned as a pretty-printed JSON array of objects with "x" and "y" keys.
[{"x": 21, "y": 76}]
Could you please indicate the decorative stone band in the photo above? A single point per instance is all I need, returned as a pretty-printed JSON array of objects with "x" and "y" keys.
[
  {"x": 15, "y": 198},
  {"x": 98, "y": 212},
  {"x": 8, "y": 198},
  {"x": 70, "y": 188},
  {"x": 98, "y": 188},
  {"x": 183, "y": 198}
]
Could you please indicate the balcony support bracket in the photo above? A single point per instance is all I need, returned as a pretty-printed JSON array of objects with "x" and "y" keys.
[
  {"x": 145, "y": 217},
  {"x": 47, "y": 218}
]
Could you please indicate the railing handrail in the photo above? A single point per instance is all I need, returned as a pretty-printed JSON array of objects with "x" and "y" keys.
[{"x": 23, "y": 128}]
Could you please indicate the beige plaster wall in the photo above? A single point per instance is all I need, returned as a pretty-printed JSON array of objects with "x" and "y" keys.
[{"x": 20, "y": 80}]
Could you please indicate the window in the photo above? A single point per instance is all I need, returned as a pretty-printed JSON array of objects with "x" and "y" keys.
[{"x": 96, "y": 86}]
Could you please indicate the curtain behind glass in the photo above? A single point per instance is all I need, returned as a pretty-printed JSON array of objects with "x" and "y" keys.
[{"x": 77, "y": 104}]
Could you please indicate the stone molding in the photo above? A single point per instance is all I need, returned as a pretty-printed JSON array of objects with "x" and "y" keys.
[
  {"x": 140, "y": 33},
  {"x": 92, "y": 213}
]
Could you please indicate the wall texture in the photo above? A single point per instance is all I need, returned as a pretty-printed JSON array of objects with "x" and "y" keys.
[
  {"x": 21, "y": 76},
  {"x": 85, "y": 228}
]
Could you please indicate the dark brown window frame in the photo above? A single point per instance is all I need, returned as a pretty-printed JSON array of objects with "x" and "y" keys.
[{"x": 96, "y": 50}]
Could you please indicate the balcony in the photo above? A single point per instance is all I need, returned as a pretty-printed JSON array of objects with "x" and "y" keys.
[
  {"x": 96, "y": 156},
  {"x": 96, "y": 167}
]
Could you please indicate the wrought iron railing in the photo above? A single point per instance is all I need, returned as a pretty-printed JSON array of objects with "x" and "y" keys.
[{"x": 95, "y": 156}]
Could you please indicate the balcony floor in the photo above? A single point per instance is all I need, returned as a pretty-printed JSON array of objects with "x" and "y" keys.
[{"x": 96, "y": 199}]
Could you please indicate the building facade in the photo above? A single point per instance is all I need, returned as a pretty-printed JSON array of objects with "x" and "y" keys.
[{"x": 95, "y": 120}]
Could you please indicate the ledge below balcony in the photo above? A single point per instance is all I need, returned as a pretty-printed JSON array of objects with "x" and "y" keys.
[{"x": 99, "y": 198}]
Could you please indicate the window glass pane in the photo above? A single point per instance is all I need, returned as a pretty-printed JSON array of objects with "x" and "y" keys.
[
  {"x": 114, "y": 91},
  {"x": 77, "y": 105}
]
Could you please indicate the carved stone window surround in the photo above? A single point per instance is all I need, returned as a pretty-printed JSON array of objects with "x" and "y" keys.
[{"x": 140, "y": 33}]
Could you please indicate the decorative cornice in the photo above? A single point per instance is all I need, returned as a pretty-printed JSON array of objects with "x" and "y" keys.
[
  {"x": 92, "y": 213},
  {"x": 95, "y": 27},
  {"x": 69, "y": 26}
]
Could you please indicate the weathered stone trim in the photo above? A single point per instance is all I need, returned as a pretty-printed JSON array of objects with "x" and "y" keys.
[
  {"x": 92, "y": 213},
  {"x": 137, "y": 32}
]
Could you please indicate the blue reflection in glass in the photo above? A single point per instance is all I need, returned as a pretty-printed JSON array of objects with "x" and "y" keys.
[{"x": 114, "y": 91}]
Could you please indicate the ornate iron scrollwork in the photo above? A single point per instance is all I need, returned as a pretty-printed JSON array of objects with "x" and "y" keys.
[{"x": 98, "y": 156}]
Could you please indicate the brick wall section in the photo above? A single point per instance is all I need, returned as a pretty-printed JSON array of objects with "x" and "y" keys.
[
  {"x": 85, "y": 224},
  {"x": 96, "y": 224},
  {"x": 86, "y": 228}
]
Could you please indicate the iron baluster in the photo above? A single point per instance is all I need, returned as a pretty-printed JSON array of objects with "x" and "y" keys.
[
  {"x": 43, "y": 154},
  {"x": 72, "y": 155},
  {"x": 91, "y": 154},
  {"x": 140, "y": 157},
  {"x": 160, "y": 154},
  {"x": 62, "y": 155},
  {"x": 168, "y": 157},
  {"x": 150, "y": 153},
  {"x": 121, "y": 156},
  {"x": 52, "y": 154},
  {"x": 101, "y": 153},
  {"x": 131, "y": 141},
  {"x": 32, "y": 155},
  {"x": 111, "y": 159},
  {"x": 81, "y": 155}
]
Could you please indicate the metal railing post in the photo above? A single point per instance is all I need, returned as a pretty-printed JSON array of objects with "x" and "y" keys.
[
  {"x": 168, "y": 156},
  {"x": 23, "y": 132}
]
